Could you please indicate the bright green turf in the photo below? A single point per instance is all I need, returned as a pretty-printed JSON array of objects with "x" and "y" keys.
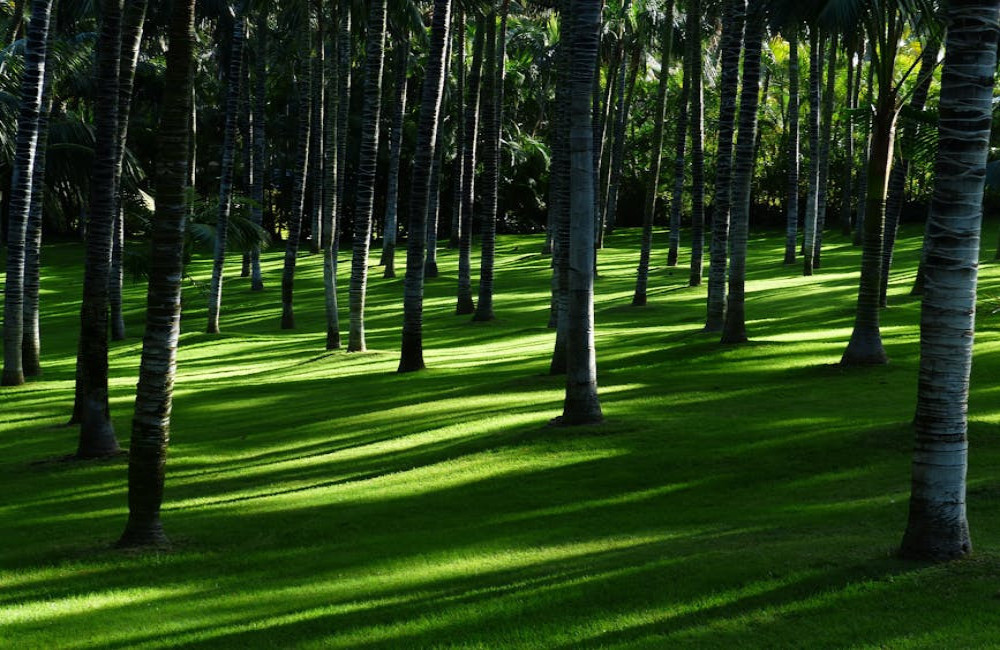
[{"x": 744, "y": 496}]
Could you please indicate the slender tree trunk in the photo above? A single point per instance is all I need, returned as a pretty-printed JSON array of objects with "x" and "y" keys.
[
  {"x": 97, "y": 436},
  {"x": 458, "y": 168},
  {"x": 618, "y": 146},
  {"x": 897, "y": 177},
  {"x": 31, "y": 343},
  {"x": 344, "y": 92},
  {"x": 792, "y": 193},
  {"x": 226, "y": 173},
  {"x": 560, "y": 189},
  {"x": 259, "y": 143},
  {"x": 366, "y": 174},
  {"x": 412, "y": 357},
  {"x": 401, "y": 59},
  {"x": 937, "y": 528},
  {"x": 812, "y": 200},
  {"x": 734, "y": 330},
  {"x": 331, "y": 189},
  {"x": 32, "y": 84},
  {"x": 154, "y": 395},
  {"x": 653, "y": 186},
  {"x": 465, "y": 304},
  {"x": 316, "y": 157},
  {"x": 246, "y": 143},
  {"x": 434, "y": 189},
  {"x": 697, "y": 151},
  {"x": 582, "y": 405},
  {"x": 733, "y": 20},
  {"x": 862, "y": 183},
  {"x": 824, "y": 149},
  {"x": 845, "y": 182},
  {"x": 677, "y": 198},
  {"x": 132, "y": 24}
]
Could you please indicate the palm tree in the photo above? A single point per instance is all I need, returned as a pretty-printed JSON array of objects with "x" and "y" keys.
[
  {"x": 365, "y": 180},
  {"x": 259, "y": 141},
  {"x": 97, "y": 436},
  {"x": 434, "y": 190},
  {"x": 850, "y": 97},
  {"x": 412, "y": 355},
  {"x": 824, "y": 148},
  {"x": 792, "y": 194},
  {"x": 815, "y": 79},
  {"x": 331, "y": 189},
  {"x": 559, "y": 189},
  {"x": 582, "y": 405},
  {"x": 226, "y": 173},
  {"x": 734, "y": 330},
  {"x": 679, "y": 160},
  {"x": 32, "y": 85},
  {"x": 458, "y": 164},
  {"x": 305, "y": 126},
  {"x": 465, "y": 304},
  {"x": 132, "y": 24},
  {"x": 652, "y": 189},
  {"x": 316, "y": 158},
  {"x": 937, "y": 528},
  {"x": 154, "y": 395},
  {"x": 618, "y": 134},
  {"x": 732, "y": 43},
  {"x": 401, "y": 62},
  {"x": 697, "y": 119}
]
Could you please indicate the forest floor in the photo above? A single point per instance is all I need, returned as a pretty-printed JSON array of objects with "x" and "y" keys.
[{"x": 737, "y": 496}]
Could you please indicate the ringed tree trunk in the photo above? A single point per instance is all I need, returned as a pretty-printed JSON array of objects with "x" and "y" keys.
[
  {"x": 652, "y": 189},
  {"x": 697, "y": 150},
  {"x": 465, "y": 303},
  {"x": 259, "y": 143},
  {"x": 862, "y": 184},
  {"x": 316, "y": 159},
  {"x": 31, "y": 343},
  {"x": 897, "y": 177},
  {"x": 97, "y": 437},
  {"x": 434, "y": 189},
  {"x": 824, "y": 148},
  {"x": 812, "y": 200},
  {"x": 937, "y": 528},
  {"x": 582, "y": 405},
  {"x": 401, "y": 60},
  {"x": 734, "y": 330},
  {"x": 331, "y": 189},
  {"x": 847, "y": 190},
  {"x": 154, "y": 394},
  {"x": 458, "y": 169},
  {"x": 559, "y": 189},
  {"x": 732, "y": 43},
  {"x": 32, "y": 83},
  {"x": 304, "y": 90},
  {"x": 618, "y": 143},
  {"x": 226, "y": 173},
  {"x": 679, "y": 167},
  {"x": 412, "y": 356},
  {"x": 792, "y": 194},
  {"x": 134, "y": 17},
  {"x": 365, "y": 181}
]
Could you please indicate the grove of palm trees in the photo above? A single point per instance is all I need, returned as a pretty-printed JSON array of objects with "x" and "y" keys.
[{"x": 469, "y": 323}]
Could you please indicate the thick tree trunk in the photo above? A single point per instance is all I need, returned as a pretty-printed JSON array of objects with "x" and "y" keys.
[
  {"x": 365, "y": 182},
  {"x": 937, "y": 528},
  {"x": 154, "y": 395},
  {"x": 733, "y": 20},
  {"x": 32, "y": 84},
  {"x": 400, "y": 64},
  {"x": 226, "y": 172},
  {"x": 97, "y": 436},
  {"x": 734, "y": 330},
  {"x": 792, "y": 193},
  {"x": 412, "y": 356}
]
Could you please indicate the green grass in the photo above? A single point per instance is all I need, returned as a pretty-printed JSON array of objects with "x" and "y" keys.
[{"x": 745, "y": 496}]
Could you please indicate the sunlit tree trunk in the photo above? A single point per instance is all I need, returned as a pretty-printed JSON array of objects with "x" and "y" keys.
[
  {"x": 458, "y": 167},
  {"x": 434, "y": 188},
  {"x": 847, "y": 189},
  {"x": 400, "y": 64},
  {"x": 824, "y": 149},
  {"x": 331, "y": 189},
  {"x": 680, "y": 135},
  {"x": 465, "y": 305},
  {"x": 316, "y": 158},
  {"x": 154, "y": 395},
  {"x": 259, "y": 142},
  {"x": 792, "y": 193},
  {"x": 812, "y": 200},
  {"x": 559, "y": 189},
  {"x": 697, "y": 119},
  {"x": 937, "y": 528}
]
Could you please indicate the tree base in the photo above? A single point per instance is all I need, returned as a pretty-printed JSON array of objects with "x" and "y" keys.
[
  {"x": 864, "y": 349},
  {"x": 482, "y": 316},
  {"x": 935, "y": 539},
  {"x": 389, "y": 273},
  {"x": 465, "y": 307},
  {"x": 213, "y": 328},
  {"x": 148, "y": 535},
  {"x": 639, "y": 300},
  {"x": 97, "y": 440},
  {"x": 12, "y": 378},
  {"x": 430, "y": 270},
  {"x": 256, "y": 285},
  {"x": 332, "y": 339},
  {"x": 790, "y": 257},
  {"x": 287, "y": 320},
  {"x": 733, "y": 338}
]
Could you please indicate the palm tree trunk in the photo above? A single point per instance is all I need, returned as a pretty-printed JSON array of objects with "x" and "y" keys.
[
  {"x": 32, "y": 84},
  {"x": 618, "y": 146},
  {"x": 734, "y": 330},
  {"x": 862, "y": 184},
  {"x": 31, "y": 343},
  {"x": 330, "y": 188},
  {"x": 97, "y": 436},
  {"x": 246, "y": 144},
  {"x": 812, "y": 200},
  {"x": 365, "y": 181},
  {"x": 847, "y": 190},
  {"x": 792, "y": 193},
  {"x": 259, "y": 143},
  {"x": 824, "y": 149},
  {"x": 897, "y": 177},
  {"x": 679, "y": 167},
  {"x": 732, "y": 43},
  {"x": 697, "y": 151},
  {"x": 344, "y": 47},
  {"x": 226, "y": 172},
  {"x": 458, "y": 168},
  {"x": 154, "y": 395},
  {"x": 401, "y": 59},
  {"x": 434, "y": 189},
  {"x": 132, "y": 24},
  {"x": 582, "y": 405},
  {"x": 653, "y": 186},
  {"x": 559, "y": 192},
  {"x": 937, "y": 528},
  {"x": 412, "y": 356},
  {"x": 465, "y": 304},
  {"x": 316, "y": 158}
]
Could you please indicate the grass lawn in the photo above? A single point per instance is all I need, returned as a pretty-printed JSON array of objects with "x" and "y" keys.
[{"x": 746, "y": 496}]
